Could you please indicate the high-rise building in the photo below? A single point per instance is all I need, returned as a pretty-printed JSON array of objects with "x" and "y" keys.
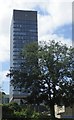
[{"x": 23, "y": 31}]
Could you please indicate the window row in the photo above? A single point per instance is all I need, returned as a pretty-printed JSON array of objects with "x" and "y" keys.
[
  {"x": 25, "y": 22},
  {"x": 20, "y": 38},
  {"x": 17, "y": 33},
  {"x": 24, "y": 26},
  {"x": 24, "y": 30}
]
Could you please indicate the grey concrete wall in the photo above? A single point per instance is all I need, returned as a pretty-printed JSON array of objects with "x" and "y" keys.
[
  {"x": 73, "y": 23},
  {"x": 0, "y": 105}
]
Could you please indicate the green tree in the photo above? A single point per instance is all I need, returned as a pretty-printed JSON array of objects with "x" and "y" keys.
[
  {"x": 10, "y": 110},
  {"x": 7, "y": 112},
  {"x": 47, "y": 74}
]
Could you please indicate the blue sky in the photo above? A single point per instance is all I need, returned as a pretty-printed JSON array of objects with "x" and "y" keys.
[
  {"x": 54, "y": 22},
  {"x": 65, "y": 31}
]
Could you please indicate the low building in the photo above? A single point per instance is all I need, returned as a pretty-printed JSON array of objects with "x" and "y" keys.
[
  {"x": 69, "y": 112},
  {"x": 5, "y": 98},
  {"x": 59, "y": 110},
  {"x": 64, "y": 112}
]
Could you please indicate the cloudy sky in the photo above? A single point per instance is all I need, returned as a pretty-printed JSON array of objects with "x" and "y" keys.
[{"x": 54, "y": 22}]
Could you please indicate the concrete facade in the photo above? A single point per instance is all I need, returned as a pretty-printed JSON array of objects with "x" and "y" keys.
[
  {"x": 69, "y": 112},
  {"x": 0, "y": 105}
]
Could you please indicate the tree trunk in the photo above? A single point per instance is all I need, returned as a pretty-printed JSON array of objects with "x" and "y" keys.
[
  {"x": 52, "y": 103},
  {"x": 52, "y": 111}
]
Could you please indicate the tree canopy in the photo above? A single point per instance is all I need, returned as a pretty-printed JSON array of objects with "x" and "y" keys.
[{"x": 47, "y": 73}]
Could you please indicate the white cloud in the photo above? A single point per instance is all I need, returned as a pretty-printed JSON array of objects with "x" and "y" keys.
[
  {"x": 3, "y": 77},
  {"x": 4, "y": 48},
  {"x": 59, "y": 13},
  {"x": 49, "y": 37},
  {"x": 45, "y": 24}
]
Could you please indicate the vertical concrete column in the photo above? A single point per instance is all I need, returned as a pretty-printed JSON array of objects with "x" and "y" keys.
[
  {"x": 73, "y": 42},
  {"x": 0, "y": 105},
  {"x": 73, "y": 23}
]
